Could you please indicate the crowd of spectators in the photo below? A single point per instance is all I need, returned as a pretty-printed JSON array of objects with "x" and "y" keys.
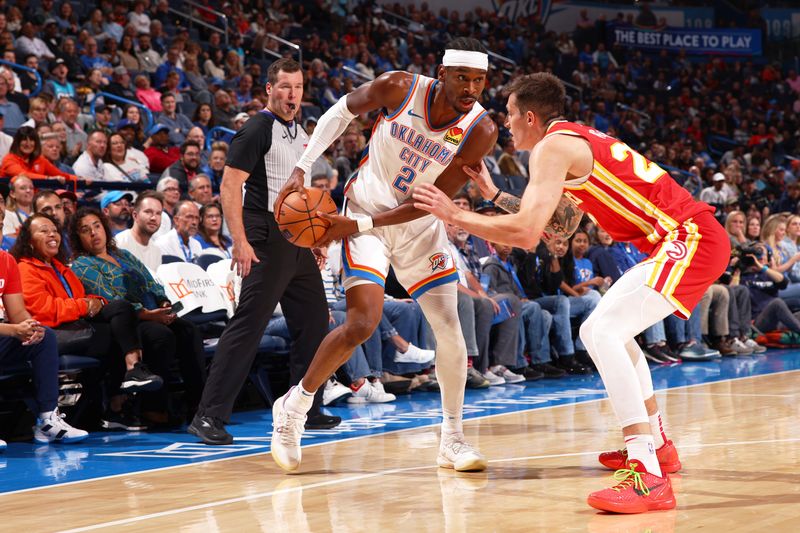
[{"x": 128, "y": 92}]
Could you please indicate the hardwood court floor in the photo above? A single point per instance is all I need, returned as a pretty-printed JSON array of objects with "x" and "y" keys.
[{"x": 739, "y": 443}]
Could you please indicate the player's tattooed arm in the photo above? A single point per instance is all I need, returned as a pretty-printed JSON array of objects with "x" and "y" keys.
[
  {"x": 508, "y": 202},
  {"x": 565, "y": 220}
]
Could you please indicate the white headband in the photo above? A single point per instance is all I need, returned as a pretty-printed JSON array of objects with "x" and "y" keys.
[{"x": 464, "y": 58}]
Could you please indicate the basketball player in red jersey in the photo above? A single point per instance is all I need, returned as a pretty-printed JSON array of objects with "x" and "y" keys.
[{"x": 573, "y": 168}]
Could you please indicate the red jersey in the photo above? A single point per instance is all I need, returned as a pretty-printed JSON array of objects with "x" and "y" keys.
[{"x": 633, "y": 199}]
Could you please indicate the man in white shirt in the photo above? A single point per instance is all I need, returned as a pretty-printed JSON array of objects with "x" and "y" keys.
[
  {"x": 90, "y": 162},
  {"x": 146, "y": 221},
  {"x": 715, "y": 195},
  {"x": 29, "y": 43},
  {"x": 5, "y": 139},
  {"x": 178, "y": 241}
]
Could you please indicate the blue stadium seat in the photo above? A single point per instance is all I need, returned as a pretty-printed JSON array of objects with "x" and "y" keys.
[
  {"x": 206, "y": 260},
  {"x": 165, "y": 259}
]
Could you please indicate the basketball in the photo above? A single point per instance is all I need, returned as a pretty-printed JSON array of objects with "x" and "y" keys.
[{"x": 298, "y": 220}]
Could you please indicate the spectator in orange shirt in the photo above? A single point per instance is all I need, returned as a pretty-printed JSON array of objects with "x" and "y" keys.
[{"x": 24, "y": 157}]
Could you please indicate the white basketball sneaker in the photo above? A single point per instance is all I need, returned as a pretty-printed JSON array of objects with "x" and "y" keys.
[
  {"x": 456, "y": 453},
  {"x": 287, "y": 430},
  {"x": 56, "y": 429}
]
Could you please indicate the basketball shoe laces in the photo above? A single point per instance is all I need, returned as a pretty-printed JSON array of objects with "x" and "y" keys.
[
  {"x": 628, "y": 477},
  {"x": 290, "y": 428},
  {"x": 457, "y": 444}
]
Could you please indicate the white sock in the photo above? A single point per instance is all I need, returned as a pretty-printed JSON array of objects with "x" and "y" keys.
[
  {"x": 657, "y": 427},
  {"x": 299, "y": 400},
  {"x": 641, "y": 448},
  {"x": 451, "y": 423}
]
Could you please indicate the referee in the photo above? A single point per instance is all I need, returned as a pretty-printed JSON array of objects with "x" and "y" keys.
[{"x": 262, "y": 155}]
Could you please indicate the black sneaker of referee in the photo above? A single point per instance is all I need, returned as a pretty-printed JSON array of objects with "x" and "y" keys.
[{"x": 210, "y": 430}]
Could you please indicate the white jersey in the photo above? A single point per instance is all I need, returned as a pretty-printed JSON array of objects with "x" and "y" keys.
[{"x": 406, "y": 149}]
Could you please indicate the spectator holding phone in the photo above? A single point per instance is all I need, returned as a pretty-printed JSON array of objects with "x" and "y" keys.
[{"x": 114, "y": 273}]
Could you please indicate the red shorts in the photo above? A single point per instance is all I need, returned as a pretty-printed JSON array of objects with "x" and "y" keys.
[{"x": 688, "y": 260}]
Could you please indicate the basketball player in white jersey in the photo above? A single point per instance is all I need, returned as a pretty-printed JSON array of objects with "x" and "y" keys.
[{"x": 427, "y": 130}]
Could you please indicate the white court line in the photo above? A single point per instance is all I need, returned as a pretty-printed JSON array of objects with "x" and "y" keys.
[
  {"x": 687, "y": 393},
  {"x": 361, "y": 477},
  {"x": 348, "y": 439}
]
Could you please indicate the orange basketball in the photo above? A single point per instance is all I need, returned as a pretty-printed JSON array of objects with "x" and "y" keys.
[{"x": 298, "y": 220}]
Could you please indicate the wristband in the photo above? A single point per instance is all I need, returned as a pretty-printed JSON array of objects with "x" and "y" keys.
[
  {"x": 364, "y": 224},
  {"x": 496, "y": 196},
  {"x": 764, "y": 268}
]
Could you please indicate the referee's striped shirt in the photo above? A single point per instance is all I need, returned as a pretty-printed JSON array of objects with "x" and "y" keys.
[{"x": 268, "y": 148}]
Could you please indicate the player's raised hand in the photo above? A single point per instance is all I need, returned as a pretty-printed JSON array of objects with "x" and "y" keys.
[
  {"x": 430, "y": 198},
  {"x": 295, "y": 183},
  {"x": 339, "y": 228},
  {"x": 480, "y": 176}
]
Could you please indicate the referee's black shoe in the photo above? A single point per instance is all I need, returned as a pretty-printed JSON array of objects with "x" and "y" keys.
[
  {"x": 210, "y": 430},
  {"x": 322, "y": 421}
]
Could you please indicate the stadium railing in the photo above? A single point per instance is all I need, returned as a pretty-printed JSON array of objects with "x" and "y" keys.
[
  {"x": 17, "y": 66},
  {"x": 114, "y": 98},
  {"x": 214, "y": 135}
]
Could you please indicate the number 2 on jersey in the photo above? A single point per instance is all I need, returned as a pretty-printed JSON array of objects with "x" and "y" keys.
[
  {"x": 644, "y": 169},
  {"x": 404, "y": 179}
]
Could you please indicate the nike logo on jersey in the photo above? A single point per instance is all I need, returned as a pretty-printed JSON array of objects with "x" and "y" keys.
[{"x": 411, "y": 112}]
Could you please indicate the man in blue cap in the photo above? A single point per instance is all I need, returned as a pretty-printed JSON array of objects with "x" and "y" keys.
[
  {"x": 116, "y": 206},
  {"x": 160, "y": 154}
]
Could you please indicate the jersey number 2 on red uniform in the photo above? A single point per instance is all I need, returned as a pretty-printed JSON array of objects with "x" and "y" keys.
[
  {"x": 404, "y": 179},
  {"x": 644, "y": 169}
]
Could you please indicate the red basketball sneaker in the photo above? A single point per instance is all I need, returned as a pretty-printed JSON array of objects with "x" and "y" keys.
[
  {"x": 638, "y": 491},
  {"x": 667, "y": 458}
]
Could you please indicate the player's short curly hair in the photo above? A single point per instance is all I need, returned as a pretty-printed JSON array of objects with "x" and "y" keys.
[
  {"x": 467, "y": 44},
  {"x": 541, "y": 93}
]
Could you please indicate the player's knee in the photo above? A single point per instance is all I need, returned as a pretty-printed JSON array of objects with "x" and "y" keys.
[{"x": 357, "y": 330}]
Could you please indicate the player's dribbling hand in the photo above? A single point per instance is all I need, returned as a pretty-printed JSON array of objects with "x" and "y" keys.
[
  {"x": 430, "y": 198},
  {"x": 480, "y": 176},
  {"x": 339, "y": 228},
  {"x": 242, "y": 257},
  {"x": 295, "y": 183}
]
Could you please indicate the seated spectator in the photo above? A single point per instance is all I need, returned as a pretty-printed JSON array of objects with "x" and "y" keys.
[
  {"x": 203, "y": 117},
  {"x": 69, "y": 200},
  {"x": 149, "y": 58},
  {"x": 160, "y": 154},
  {"x": 92, "y": 60},
  {"x": 24, "y": 157},
  {"x": 200, "y": 190},
  {"x": 54, "y": 296},
  {"x": 753, "y": 232},
  {"x": 127, "y": 54},
  {"x": 25, "y": 342},
  {"x": 735, "y": 226},
  {"x": 37, "y": 113},
  {"x": 19, "y": 206},
  {"x": 116, "y": 274},
  {"x": 59, "y": 85},
  {"x": 13, "y": 115},
  {"x": 580, "y": 286},
  {"x": 133, "y": 154},
  {"x": 117, "y": 166},
  {"x": 116, "y": 206},
  {"x": 28, "y": 79},
  {"x": 102, "y": 120},
  {"x": 121, "y": 84},
  {"x": 146, "y": 94},
  {"x": 509, "y": 163},
  {"x": 90, "y": 163},
  {"x": 196, "y": 135},
  {"x": 68, "y": 111},
  {"x": 178, "y": 123},
  {"x": 133, "y": 119},
  {"x": 216, "y": 164},
  {"x": 198, "y": 87},
  {"x": 49, "y": 203},
  {"x": 7, "y": 241},
  {"x": 171, "y": 192},
  {"x": 170, "y": 64},
  {"x": 5, "y": 139},
  {"x": 52, "y": 150},
  {"x": 224, "y": 110},
  {"x": 29, "y": 44},
  {"x": 209, "y": 233},
  {"x": 599, "y": 254},
  {"x": 184, "y": 169},
  {"x": 138, "y": 240},
  {"x": 178, "y": 241}
]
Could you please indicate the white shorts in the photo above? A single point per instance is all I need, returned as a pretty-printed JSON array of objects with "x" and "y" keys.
[{"x": 418, "y": 251}]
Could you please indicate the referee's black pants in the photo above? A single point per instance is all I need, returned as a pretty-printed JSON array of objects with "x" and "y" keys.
[{"x": 285, "y": 274}]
